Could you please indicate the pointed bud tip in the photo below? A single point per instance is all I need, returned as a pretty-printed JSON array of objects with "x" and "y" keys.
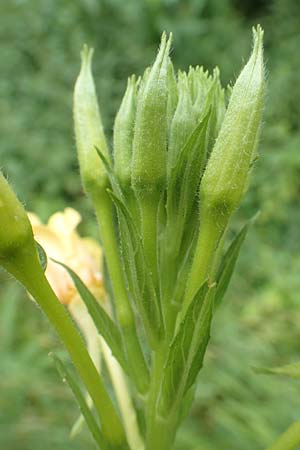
[
  {"x": 165, "y": 43},
  {"x": 86, "y": 57},
  {"x": 258, "y": 37},
  {"x": 131, "y": 82}
]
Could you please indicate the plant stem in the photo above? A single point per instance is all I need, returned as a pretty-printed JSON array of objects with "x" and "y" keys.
[
  {"x": 27, "y": 269},
  {"x": 210, "y": 233},
  {"x": 160, "y": 431},
  {"x": 123, "y": 398},
  {"x": 289, "y": 440},
  {"x": 136, "y": 360}
]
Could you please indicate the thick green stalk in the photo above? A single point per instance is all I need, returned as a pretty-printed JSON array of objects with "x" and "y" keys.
[
  {"x": 27, "y": 269},
  {"x": 162, "y": 435},
  {"x": 160, "y": 431},
  {"x": 137, "y": 363},
  {"x": 289, "y": 440},
  {"x": 210, "y": 232}
]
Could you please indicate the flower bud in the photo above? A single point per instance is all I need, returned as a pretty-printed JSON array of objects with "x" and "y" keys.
[
  {"x": 200, "y": 84},
  {"x": 15, "y": 228},
  {"x": 88, "y": 127},
  {"x": 226, "y": 174},
  {"x": 150, "y": 134},
  {"x": 184, "y": 120},
  {"x": 123, "y": 133},
  {"x": 225, "y": 178}
]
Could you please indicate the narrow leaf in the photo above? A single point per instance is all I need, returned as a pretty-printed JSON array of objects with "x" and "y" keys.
[
  {"x": 85, "y": 410},
  {"x": 227, "y": 265},
  {"x": 111, "y": 175},
  {"x": 187, "y": 350},
  {"x": 290, "y": 370},
  {"x": 183, "y": 184},
  {"x": 104, "y": 324}
]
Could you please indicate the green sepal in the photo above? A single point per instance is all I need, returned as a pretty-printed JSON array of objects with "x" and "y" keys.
[
  {"x": 85, "y": 410},
  {"x": 289, "y": 370},
  {"x": 106, "y": 327},
  {"x": 187, "y": 350}
]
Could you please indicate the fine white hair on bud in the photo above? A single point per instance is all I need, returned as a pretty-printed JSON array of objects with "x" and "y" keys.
[
  {"x": 88, "y": 127},
  {"x": 226, "y": 174},
  {"x": 150, "y": 132},
  {"x": 123, "y": 133}
]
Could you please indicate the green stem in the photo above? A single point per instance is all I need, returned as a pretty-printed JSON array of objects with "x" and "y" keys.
[
  {"x": 160, "y": 431},
  {"x": 217, "y": 256},
  {"x": 210, "y": 233},
  {"x": 289, "y": 440},
  {"x": 136, "y": 360},
  {"x": 123, "y": 398},
  {"x": 27, "y": 269},
  {"x": 163, "y": 433}
]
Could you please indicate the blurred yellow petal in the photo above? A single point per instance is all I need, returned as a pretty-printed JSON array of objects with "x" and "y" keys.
[
  {"x": 61, "y": 241},
  {"x": 64, "y": 223},
  {"x": 34, "y": 219}
]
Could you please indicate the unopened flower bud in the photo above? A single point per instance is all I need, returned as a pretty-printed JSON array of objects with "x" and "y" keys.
[
  {"x": 88, "y": 127},
  {"x": 184, "y": 120},
  {"x": 123, "y": 133},
  {"x": 227, "y": 171},
  {"x": 200, "y": 85},
  {"x": 150, "y": 134},
  {"x": 226, "y": 174}
]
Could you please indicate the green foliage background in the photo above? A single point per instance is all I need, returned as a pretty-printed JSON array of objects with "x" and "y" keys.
[{"x": 259, "y": 324}]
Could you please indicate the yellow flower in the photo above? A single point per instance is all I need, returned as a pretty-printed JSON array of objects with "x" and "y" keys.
[{"x": 61, "y": 241}]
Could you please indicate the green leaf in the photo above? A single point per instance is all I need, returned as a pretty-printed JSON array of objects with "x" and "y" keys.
[
  {"x": 111, "y": 175},
  {"x": 290, "y": 370},
  {"x": 227, "y": 265},
  {"x": 85, "y": 410},
  {"x": 182, "y": 190},
  {"x": 187, "y": 350},
  {"x": 140, "y": 282},
  {"x": 104, "y": 324},
  {"x": 185, "y": 175}
]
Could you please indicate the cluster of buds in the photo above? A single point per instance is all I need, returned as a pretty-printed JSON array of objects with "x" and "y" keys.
[{"x": 183, "y": 149}]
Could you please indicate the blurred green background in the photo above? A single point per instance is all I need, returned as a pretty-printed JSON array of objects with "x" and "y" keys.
[{"x": 259, "y": 323}]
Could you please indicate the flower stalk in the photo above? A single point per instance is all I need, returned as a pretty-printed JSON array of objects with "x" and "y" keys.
[{"x": 19, "y": 257}]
